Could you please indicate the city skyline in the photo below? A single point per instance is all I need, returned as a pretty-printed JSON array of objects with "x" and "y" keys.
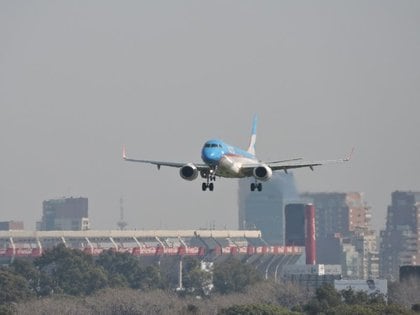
[{"x": 80, "y": 80}]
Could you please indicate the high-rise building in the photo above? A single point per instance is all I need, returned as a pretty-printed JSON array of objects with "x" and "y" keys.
[
  {"x": 64, "y": 214},
  {"x": 343, "y": 233},
  {"x": 11, "y": 225},
  {"x": 295, "y": 234},
  {"x": 264, "y": 210},
  {"x": 365, "y": 242},
  {"x": 339, "y": 212},
  {"x": 400, "y": 243}
]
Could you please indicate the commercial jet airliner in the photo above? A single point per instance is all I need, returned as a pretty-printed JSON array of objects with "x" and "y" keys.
[{"x": 223, "y": 160}]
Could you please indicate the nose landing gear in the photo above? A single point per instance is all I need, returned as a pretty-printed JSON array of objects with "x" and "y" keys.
[{"x": 210, "y": 176}]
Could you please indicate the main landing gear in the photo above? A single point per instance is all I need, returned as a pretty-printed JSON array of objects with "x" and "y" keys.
[
  {"x": 258, "y": 186},
  {"x": 209, "y": 178},
  {"x": 210, "y": 186}
]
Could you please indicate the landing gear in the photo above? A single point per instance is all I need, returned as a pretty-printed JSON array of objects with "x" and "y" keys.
[
  {"x": 210, "y": 176},
  {"x": 257, "y": 186},
  {"x": 210, "y": 186}
]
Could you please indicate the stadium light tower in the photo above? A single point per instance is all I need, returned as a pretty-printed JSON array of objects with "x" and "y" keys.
[{"x": 122, "y": 223}]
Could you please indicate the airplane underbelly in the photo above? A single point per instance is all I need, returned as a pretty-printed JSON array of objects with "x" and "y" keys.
[{"x": 230, "y": 167}]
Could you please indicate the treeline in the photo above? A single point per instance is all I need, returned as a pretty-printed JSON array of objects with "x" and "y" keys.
[{"x": 69, "y": 281}]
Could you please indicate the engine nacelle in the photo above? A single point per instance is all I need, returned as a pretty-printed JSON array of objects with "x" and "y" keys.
[
  {"x": 262, "y": 172},
  {"x": 188, "y": 172}
]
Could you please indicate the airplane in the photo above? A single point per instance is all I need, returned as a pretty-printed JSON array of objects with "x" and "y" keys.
[{"x": 224, "y": 160}]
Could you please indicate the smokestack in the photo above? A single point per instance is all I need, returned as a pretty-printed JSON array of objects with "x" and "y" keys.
[{"x": 310, "y": 245}]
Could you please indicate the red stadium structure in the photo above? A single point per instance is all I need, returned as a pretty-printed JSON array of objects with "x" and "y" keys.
[
  {"x": 310, "y": 243},
  {"x": 155, "y": 246}
]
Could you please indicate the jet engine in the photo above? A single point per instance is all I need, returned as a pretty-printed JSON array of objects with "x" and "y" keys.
[
  {"x": 262, "y": 172},
  {"x": 188, "y": 171}
]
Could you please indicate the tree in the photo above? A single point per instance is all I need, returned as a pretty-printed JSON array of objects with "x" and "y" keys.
[
  {"x": 71, "y": 271},
  {"x": 150, "y": 278},
  {"x": 369, "y": 309},
  {"x": 123, "y": 269},
  {"x": 233, "y": 276},
  {"x": 13, "y": 288},
  {"x": 27, "y": 270},
  {"x": 194, "y": 279},
  {"x": 354, "y": 297},
  {"x": 252, "y": 309},
  {"x": 325, "y": 297},
  {"x": 404, "y": 293}
]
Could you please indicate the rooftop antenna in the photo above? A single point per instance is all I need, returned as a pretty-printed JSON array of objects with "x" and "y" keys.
[{"x": 122, "y": 224}]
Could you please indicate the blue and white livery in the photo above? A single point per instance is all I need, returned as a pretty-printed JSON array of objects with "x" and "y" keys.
[{"x": 223, "y": 160}]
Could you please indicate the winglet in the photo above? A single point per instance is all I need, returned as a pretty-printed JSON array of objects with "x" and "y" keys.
[
  {"x": 124, "y": 153},
  {"x": 253, "y": 139},
  {"x": 348, "y": 158}
]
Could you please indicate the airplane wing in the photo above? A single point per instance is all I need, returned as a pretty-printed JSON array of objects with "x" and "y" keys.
[
  {"x": 299, "y": 163},
  {"x": 285, "y": 165},
  {"x": 200, "y": 166}
]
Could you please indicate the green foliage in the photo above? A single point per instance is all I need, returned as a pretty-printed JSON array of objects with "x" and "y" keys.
[
  {"x": 123, "y": 269},
  {"x": 13, "y": 287},
  {"x": 328, "y": 295},
  {"x": 194, "y": 279},
  {"x": 26, "y": 269},
  {"x": 74, "y": 273},
  {"x": 369, "y": 309},
  {"x": 233, "y": 276},
  {"x": 255, "y": 309},
  {"x": 7, "y": 309},
  {"x": 71, "y": 271},
  {"x": 355, "y": 297},
  {"x": 150, "y": 278},
  {"x": 349, "y": 302},
  {"x": 361, "y": 297},
  {"x": 351, "y": 309}
]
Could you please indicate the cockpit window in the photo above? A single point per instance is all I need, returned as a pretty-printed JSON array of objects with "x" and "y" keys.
[{"x": 212, "y": 145}]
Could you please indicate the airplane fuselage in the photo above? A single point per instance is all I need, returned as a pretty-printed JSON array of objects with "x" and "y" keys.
[{"x": 226, "y": 160}]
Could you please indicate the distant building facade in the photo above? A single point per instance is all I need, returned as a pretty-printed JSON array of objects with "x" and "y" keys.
[
  {"x": 64, "y": 214},
  {"x": 311, "y": 276},
  {"x": 343, "y": 233},
  {"x": 264, "y": 210},
  {"x": 338, "y": 212},
  {"x": 400, "y": 244},
  {"x": 11, "y": 225}
]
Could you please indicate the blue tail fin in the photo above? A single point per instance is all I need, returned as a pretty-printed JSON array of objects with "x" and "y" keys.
[{"x": 253, "y": 139}]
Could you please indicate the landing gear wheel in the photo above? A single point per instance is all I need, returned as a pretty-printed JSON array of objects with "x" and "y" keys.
[
  {"x": 211, "y": 186},
  {"x": 204, "y": 186},
  {"x": 252, "y": 186},
  {"x": 259, "y": 186}
]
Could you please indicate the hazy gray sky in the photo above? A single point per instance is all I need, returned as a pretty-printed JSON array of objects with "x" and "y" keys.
[{"x": 78, "y": 79}]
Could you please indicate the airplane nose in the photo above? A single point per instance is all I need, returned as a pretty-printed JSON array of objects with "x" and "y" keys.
[{"x": 211, "y": 156}]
